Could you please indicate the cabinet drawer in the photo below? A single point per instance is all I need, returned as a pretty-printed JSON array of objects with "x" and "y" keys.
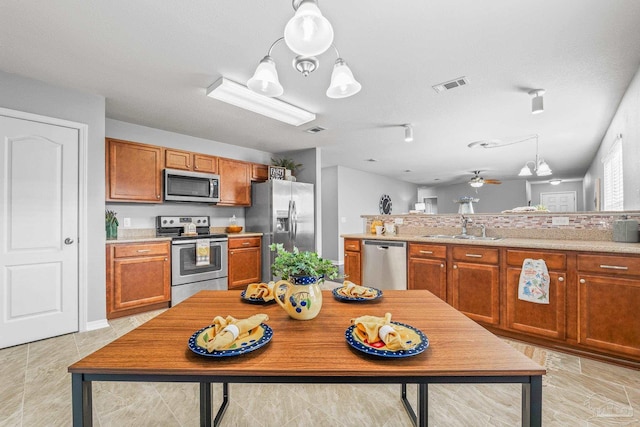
[
  {"x": 243, "y": 242},
  {"x": 609, "y": 264},
  {"x": 419, "y": 250},
  {"x": 554, "y": 261},
  {"x": 147, "y": 249},
  {"x": 475, "y": 254},
  {"x": 352, "y": 245}
]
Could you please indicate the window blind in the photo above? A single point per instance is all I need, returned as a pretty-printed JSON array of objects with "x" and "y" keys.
[{"x": 613, "y": 191}]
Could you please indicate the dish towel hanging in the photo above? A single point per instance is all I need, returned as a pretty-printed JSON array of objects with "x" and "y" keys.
[
  {"x": 202, "y": 252},
  {"x": 534, "y": 281}
]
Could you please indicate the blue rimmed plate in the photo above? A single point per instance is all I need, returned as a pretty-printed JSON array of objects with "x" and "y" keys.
[
  {"x": 414, "y": 337},
  {"x": 245, "y": 298},
  {"x": 258, "y": 337},
  {"x": 340, "y": 296}
]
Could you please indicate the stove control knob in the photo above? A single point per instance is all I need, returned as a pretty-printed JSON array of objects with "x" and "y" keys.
[
  {"x": 171, "y": 221},
  {"x": 164, "y": 221}
]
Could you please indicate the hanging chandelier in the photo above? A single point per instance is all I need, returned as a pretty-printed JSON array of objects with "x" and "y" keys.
[{"x": 308, "y": 34}]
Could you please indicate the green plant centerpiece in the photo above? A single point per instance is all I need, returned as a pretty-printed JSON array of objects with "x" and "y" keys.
[
  {"x": 111, "y": 224},
  {"x": 298, "y": 292},
  {"x": 288, "y": 164}
]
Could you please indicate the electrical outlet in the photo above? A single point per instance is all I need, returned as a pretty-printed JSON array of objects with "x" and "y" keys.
[
  {"x": 343, "y": 219},
  {"x": 559, "y": 220},
  {"x": 398, "y": 221},
  {"x": 126, "y": 222}
]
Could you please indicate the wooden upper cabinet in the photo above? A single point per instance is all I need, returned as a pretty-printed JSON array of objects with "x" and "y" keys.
[
  {"x": 133, "y": 172},
  {"x": 259, "y": 172},
  {"x": 186, "y": 160},
  {"x": 235, "y": 182},
  {"x": 205, "y": 164}
]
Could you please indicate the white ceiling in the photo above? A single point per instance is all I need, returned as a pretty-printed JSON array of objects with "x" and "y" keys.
[{"x": 153, "y": 60}]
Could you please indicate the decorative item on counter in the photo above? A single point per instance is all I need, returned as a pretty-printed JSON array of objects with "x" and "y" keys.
[
  {"x": 390, "y": 228},
  {"x": 625, "y": 230},
  {"x": 189, "y": 230},
  {"x": 111, "y": 224},
  {"x": 466, "y": 206},
  {"x": 299, "y": 293},
  {"x": 375, "y": 223},
  {"x": 233, "y": 225},
  {"x": 289, "y": 165}
]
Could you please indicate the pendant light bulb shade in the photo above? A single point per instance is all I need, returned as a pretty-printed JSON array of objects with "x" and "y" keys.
[
  {"x": 537, "y": 102},
  {"x": 308, "y": 33},
  {"x": 476, "y": 184},
  {"x": 543, "y": 168},
  {"x": 265, "y": 79},
  {"x": 408, "y": 133},
  {"x": 343, "y": 84},
  {"x": 525, "y": 171}
]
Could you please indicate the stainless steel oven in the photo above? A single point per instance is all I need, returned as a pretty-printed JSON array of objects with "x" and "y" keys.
[{"x": 188, "y": 276}]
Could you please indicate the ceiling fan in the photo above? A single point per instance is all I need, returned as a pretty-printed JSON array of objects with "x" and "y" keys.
[{"x": 478, "y": 181}]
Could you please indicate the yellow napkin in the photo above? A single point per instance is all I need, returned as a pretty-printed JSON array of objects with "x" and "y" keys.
[
  {"x": 225, "y": 331},
  {"x": 260, "y": 290},
  {"x": 374, "y": 329},
  {"x": 350, "y": 289}
]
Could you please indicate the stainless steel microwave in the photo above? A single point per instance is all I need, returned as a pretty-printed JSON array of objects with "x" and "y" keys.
[{"x": 186, "y": 186}]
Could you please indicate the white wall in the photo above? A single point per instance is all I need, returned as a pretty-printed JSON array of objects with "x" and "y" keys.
[
  {"x": 537, "y": 188},
  {"x": 358, "y": 193},
  {"x": 143, "y": 215},
  {"x": 492, "y": 198},
  {"x": 626, "y": 121},
  {"x": 23, "y": 94}
]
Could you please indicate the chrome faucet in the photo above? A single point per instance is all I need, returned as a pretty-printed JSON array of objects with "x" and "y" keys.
[
  {"x": 465, "y": 222},
  {"x": 484, "y": 229}
]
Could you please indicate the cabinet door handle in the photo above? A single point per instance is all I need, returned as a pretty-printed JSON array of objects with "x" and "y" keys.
[
  {"x": 441, "y": 265},
  {"x": 157, "y": 196},
  {"x": 474, "y": 255},
  {"x": 166, "y": 259},
  {"x": 614, "y": 267},
  {"x": 426, "y": 252},
  {"x": 245, "y": 243},
  {"x": 583, "y": 281},
  {"x": 560, "y": 279},
  {"x": 231, "y": 252},
  {"x": 455, "y": 267},
  {"x": 143, "y": 250}
]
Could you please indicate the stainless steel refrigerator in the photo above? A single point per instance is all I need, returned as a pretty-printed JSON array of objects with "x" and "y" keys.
[{"x": 284, "y": 212}]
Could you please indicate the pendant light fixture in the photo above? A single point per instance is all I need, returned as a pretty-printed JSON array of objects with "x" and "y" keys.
[
  {"x": 537, "y": 102},
  {"x": 408, "y": 133},
  {"x": 307, "y": 34},
  {"x": 540, "y": 167}
]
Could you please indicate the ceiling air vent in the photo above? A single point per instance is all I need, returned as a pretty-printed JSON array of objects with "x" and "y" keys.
[
  {"x": 315, "y": 129},
  {"x": 460, "y": 81}
]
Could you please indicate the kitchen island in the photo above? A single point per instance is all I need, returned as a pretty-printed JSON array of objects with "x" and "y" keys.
[{"x": 459, "y": 351}]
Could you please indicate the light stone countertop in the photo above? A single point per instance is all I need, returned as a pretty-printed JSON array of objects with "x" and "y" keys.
[
  {"x": 138, "y": 239},
  {"x": 244, "y": 234},
  {"x": 567, "y": 245}
]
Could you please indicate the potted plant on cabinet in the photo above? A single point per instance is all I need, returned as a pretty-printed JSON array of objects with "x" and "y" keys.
[
  {"x": 111, "y": 224},
  {"x": 288, "y": 164},
  {"x": 299, "y": 290}
]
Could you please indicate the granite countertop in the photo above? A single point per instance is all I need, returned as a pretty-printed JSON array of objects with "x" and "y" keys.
[
  {"x": 138, "y": 239},
  {"x": 244, "y": 234},
  {"x": 567, "y": 245}
]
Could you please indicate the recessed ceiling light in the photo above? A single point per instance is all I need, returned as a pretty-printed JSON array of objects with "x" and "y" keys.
[
  {"x": 372, "y": 160},
  {"x": 407, "y": 170}
]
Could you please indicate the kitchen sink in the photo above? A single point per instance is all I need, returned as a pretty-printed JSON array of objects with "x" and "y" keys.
[{"x": 460, "y": 237}]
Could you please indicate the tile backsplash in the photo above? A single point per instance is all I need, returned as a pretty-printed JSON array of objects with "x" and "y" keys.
[{"x": 581, "y": 226}]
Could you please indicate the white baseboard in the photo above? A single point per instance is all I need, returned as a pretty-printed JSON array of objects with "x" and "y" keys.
[{"x": 97, "y": 324}]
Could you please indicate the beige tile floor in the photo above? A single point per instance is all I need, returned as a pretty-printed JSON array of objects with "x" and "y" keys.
[{"x": 35, "y": 390}]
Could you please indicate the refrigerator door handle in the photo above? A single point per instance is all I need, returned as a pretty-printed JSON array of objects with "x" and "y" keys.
[
  {"x": 295, "y": 220},
  {"x": 290, "y": 214}
]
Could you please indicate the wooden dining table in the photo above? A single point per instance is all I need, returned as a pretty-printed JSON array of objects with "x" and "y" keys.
[{"x": 310, "y": 351}]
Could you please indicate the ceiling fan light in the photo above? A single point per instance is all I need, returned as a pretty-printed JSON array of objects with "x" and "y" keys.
[
  {"x": 308, "y": 33},
  {"x": 343, "y": 84},
  {"x": 265, "y": 79},
  {"x": 543, "y": 168},
  {"x": 525, "y": 171},
  {"x": 476, "y": 184}
]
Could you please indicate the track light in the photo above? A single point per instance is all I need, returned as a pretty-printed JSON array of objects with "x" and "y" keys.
[
  {"x": 537, "y": 104},
  {"x": 408, "y": 133}
]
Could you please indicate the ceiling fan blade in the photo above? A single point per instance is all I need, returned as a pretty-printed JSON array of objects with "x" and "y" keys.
[{"x": 492, "y": 181}]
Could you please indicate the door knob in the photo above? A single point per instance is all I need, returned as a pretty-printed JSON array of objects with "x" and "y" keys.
[{"x": 68, "y": 241}]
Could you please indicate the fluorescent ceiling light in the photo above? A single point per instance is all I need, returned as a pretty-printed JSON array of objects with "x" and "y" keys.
[{"x": 239, "y": 95}]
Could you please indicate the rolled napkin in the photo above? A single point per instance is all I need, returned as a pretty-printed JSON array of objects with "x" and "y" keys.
[
  {"x": 350, "y": 289},
  {"x": 375, "y": 329},
  {"x": 225, "y": 331},
  {"x": 260, "y": 290}
]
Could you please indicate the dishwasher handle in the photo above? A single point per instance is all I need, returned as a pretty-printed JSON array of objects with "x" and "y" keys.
[{"x": 384, "y": 244}]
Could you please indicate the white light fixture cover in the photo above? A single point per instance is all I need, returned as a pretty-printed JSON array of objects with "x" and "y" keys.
[
  {"x": 543, "y": 168},
  {"x": 555, "y": 181},
  {"x": 408, "y": 133},
  {"x": 308, "y": 33},
  {"x": 239, "y": 95},
  {"x": 525, "y": 171},
  {"x": 265, "y": 79},
  {"x": 343, "y": 84},
  {"x": 476, "y": 184},
  {"x": 537, "y": 102}
]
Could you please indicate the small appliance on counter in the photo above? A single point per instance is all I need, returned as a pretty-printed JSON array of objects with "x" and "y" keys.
[
  {"x": 625, "y": 230},
  {"x": 466, "y": 204},
  {"x": 198, "y": 258}
]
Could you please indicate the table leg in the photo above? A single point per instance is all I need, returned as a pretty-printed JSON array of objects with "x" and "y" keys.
[
  {"x": 223, "y": 407},
  {"x": 423, "y": 405},
  {"x": 205, "y": 404},
  {"x": 532, "y": 402},
  {"x": 407, "y": 405},
  {"x": 81, "y": 401}
]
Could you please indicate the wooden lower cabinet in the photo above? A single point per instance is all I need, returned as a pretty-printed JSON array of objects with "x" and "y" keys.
[
  {"x": 138, "y": 278},
  {"x": 244, "y": 261},
  {"x": 544, "y": 320},
  {"x": 475, "y": 283},
  {"x": 427, "y": 268},
  {"x": 352, "y": 261}
]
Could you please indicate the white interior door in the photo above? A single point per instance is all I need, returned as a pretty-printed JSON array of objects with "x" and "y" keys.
[
  {"x": 562, "y": 201},
  {"x": 39, "y": 228}
]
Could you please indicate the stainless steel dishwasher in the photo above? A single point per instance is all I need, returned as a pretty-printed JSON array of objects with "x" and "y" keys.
[{"x": 384, "y": 264}]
